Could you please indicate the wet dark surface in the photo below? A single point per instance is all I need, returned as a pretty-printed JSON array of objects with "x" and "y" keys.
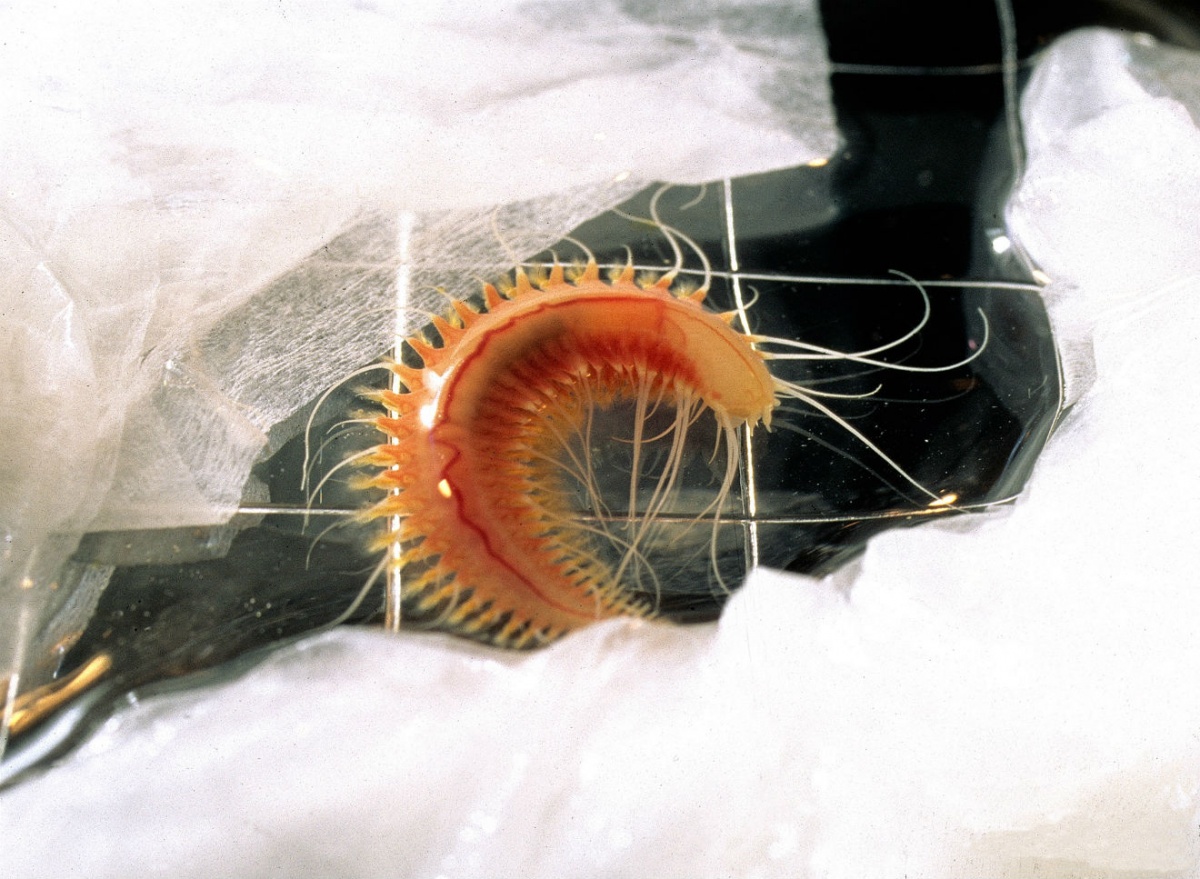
[{"x": 917, "y": 187}]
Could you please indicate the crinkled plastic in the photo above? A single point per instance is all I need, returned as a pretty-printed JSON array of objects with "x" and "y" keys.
[
  {"x": 996, "y": 697},
  {"x": 211, "y": 211},
  {"x": 1130, "y": 144}
]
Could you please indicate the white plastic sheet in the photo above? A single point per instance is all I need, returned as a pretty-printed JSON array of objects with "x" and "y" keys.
[
  {"x": 206, "y": 205},
  {"x": 1011, "y": 696}
]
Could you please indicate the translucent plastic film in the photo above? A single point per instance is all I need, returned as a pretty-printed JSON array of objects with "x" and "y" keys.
[
  {"x": 211, "y": 211},
  {"x": 1009, "y": 695}
]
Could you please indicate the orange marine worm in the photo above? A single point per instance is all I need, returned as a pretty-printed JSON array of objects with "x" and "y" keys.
[{"x": 472, "y": 461}]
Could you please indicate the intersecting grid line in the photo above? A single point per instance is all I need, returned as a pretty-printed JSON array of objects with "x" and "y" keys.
[{"x": 750, "y": 518}]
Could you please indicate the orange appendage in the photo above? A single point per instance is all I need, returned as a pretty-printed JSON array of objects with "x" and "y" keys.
[{"x": 479, "y": 463}]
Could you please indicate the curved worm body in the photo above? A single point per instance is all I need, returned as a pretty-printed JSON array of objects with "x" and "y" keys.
[{"x": 473, "y": 462}]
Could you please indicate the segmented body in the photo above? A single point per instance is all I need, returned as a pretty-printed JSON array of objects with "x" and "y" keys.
[{"x": 473, "y": 459}]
